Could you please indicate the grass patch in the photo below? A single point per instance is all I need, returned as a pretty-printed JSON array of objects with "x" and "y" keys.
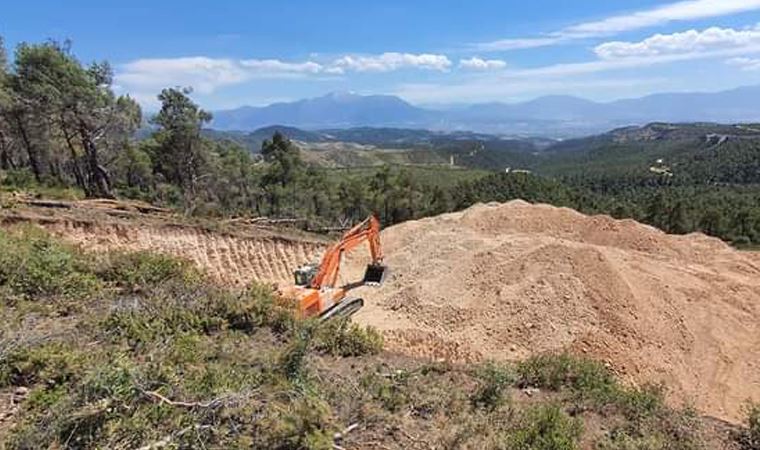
[
  {"x": 22, "y": 180},
  {"x": 590, "y": 383}
]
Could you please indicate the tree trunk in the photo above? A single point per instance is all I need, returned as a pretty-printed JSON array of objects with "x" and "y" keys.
[
  {"x": 75, "y": 168},
  {"x": 6, "y": 160},
  {"x": 74, "y": 160},
  {"x": 98, "y": 179},
  {"x": 34, "y": 161}
]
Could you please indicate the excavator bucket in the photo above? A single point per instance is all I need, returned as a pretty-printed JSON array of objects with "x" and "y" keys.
[{"x": 375, "y": 274}]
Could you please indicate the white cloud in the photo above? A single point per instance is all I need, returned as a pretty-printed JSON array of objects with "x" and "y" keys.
[
  {"x": 605, "y": 65},
  {"x": 202, "y": 73},
  {"x": 518, "y": 44},
  {"x": 391, "y": 61},
  {"x": 476, "y": 63},
  {"x": 750, "y": 64},
  {"x": 560, "y": 78},
  {"x": 275, "y": 66},
  {"x": 691, "y": 41},
  {"x": 206, "y": 75},
  {"x": 144, "y": 78},
  {"x": 673, "y": 12}
]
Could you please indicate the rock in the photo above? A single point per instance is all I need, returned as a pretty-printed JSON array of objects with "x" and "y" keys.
[
  {"x": 530, "y": 391},
  {"x": 21, "y": 391}
]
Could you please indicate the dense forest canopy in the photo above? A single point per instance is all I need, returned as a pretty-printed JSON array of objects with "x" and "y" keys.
[{"x": 63, "y": 127}]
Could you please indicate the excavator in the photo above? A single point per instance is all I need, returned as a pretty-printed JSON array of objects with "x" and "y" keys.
[{"x": 315, "y": 291}]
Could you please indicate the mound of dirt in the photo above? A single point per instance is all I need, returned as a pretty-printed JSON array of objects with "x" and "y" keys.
[{"x": 504, "y": 281}]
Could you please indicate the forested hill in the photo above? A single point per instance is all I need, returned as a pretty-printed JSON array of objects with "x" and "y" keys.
[{"x": 694, "y": 153}]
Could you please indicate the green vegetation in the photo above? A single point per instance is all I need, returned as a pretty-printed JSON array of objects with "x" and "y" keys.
[
  {"x": 495, "y": 380},
  {"x": 175, "y": 359},
  {"x": 33, "y": 265},
  {"x": 545, "y": 427},
  {"x": 749, "y": 438},
  {"x": 712, "y": 182},
  {"x": 156, "y": 355}
]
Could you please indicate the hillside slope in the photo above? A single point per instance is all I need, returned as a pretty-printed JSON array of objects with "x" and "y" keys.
[{"x": 505, "y": 281}]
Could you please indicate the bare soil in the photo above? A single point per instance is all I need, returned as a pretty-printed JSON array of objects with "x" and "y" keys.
[
  {"x": 504, "y": 281},
  {"x": 234, "y": 254}
]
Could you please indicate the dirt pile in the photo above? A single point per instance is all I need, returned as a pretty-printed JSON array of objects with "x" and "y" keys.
[{"x": 504, "y": 281}]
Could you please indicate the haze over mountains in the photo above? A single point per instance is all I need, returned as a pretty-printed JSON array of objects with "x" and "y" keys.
[{"x": 559, "y": 116}]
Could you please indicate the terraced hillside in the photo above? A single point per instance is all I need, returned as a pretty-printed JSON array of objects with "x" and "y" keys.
[{"x": 236, "y": 255}]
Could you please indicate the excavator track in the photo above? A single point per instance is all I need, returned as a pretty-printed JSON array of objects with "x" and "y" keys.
[{"x": 346, "y": 308}]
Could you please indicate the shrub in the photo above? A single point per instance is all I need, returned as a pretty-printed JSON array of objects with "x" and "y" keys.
[
  {"x": 20, "y": 178},
  {"x": 341, "y": 337},
  {"x": 177, "y": 308},
  {"x": 139, "y": 270},
  {"x": 156, "y": 318},
  {"x": 54, "y": 363},
  {"x": 741, "y": 241},
  {"x": 621, "y": 439},
  {"x": 545, "y": 427},
  {"x": 750, "y": 438},
  {"x": 257, "y": 307},
  {"x": 303, "y": 424},
  {"x": 564, "y": 371},
  {"x": 292, "y": 361},
  {"x": 639, "y": 403},
  {"x": 32, "y": 265},
  {"x": 494, "y": 380},
  {"x": 388, "y": 389}
]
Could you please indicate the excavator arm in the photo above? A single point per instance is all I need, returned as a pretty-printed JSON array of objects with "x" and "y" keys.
[
  {"x": 315, "y": 289},
  {"x": 329, "y": 268}
]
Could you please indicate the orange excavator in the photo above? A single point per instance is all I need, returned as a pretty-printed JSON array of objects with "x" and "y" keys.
[{"x": 315, "y": 291}]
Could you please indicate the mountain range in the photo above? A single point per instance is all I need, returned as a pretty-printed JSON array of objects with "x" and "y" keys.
[{"x": 556, "y": 116}]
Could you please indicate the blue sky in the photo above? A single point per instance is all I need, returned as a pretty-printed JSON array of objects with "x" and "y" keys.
[{"x": 441, "y": 52}]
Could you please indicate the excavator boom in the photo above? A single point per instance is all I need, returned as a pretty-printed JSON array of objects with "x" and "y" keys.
[{"x": 329, "y": 268}]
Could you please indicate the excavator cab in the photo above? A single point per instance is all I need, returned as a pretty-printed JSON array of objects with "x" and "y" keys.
[
  {"x": 375, "y": 274},
  {"x": 305, "y": 274}
]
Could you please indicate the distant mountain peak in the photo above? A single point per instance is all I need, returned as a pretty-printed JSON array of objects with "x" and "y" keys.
[
  {"x": 549, "y": 116},
  {"x": 341, "y": 95}
]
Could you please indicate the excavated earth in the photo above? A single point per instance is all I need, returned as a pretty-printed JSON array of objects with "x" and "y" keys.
[
  {"x": 233, "y": 254},
  {"x": 504, "y": 281}
]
